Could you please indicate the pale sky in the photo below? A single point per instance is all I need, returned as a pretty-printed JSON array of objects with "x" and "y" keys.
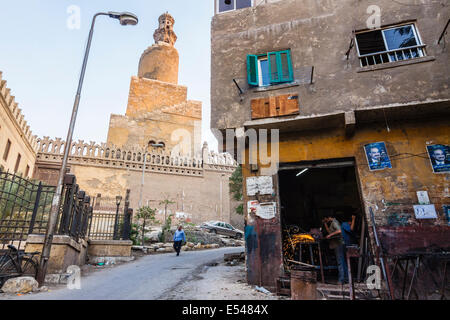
[{"x": 41, "y": 58}]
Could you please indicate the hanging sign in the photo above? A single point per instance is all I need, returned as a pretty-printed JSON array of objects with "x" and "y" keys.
[{"x": 267, "y": 210}]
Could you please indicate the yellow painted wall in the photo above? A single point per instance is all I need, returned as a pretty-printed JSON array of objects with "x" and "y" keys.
[{"x": 390, "y": 191}]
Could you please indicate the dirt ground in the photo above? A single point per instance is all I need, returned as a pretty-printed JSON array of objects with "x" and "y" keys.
[{"x": 218, "y": 282}]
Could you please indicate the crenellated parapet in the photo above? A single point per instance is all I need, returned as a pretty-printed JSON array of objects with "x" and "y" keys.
[
  {"x": 218, "y": 161},
  {"x": 16, "y": 114},
  {"x": 159, "y": 160}
]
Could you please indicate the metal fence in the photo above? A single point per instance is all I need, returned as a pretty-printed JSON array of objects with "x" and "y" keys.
[
  {"x": 24, "y": 208},
  {"x": 111, "y": 218},
  {"x": 75, "y": 211}
]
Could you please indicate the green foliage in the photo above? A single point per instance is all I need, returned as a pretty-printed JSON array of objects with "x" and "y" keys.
[
  {"x": 166, "y": 228},
  {"x": 134, "y": 234},
  {"x": 236, "y": 188},
  {"x": 240, "y": 209},
  {"x": 145, "y": 214}
]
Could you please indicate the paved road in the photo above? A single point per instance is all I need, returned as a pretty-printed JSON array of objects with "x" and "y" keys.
[{"x": 149, "y": 278}]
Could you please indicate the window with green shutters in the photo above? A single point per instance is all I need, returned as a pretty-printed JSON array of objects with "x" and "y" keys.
[{"x": 269, "y": 69}]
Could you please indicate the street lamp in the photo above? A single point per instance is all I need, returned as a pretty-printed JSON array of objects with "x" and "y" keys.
[
  {"x": 125, "y": 18},
  {"x": 116, "y": 220}
]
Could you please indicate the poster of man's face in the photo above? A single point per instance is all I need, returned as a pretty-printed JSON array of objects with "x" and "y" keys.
[
  {"x": 440, "y": 157},
  {"x": 377, "y": 156}
]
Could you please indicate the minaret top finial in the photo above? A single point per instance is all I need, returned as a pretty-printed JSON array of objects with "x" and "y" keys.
[{"x": 165, "y": 32}]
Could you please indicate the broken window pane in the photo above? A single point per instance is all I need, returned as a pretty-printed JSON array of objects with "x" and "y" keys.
[{"x": 370, "y": 42}]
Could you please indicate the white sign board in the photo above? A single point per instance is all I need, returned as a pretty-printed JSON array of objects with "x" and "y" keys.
[
  {"x": 267, "y": 210},
  {"x": 265, "y": 185},
  {"x": 423, "y": 198},
  {"x": 425, "y": 211},
  {"x": 252, "y": 186},
  {"x": 261, "y": 185}
]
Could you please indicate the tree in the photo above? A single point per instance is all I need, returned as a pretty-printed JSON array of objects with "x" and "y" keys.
[
  {"x": 236, "y": 188},
  {"x": 166, "y": 202},
  {"x": 145, "y": 214}
]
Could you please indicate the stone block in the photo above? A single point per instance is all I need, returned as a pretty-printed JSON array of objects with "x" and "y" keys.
[
  {"x": 20, "y": 285},
  {"x": 110, "y": 248}
]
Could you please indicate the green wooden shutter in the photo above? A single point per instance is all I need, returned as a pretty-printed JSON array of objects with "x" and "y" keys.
[
  {"x": 285, "y": 67},
  {"x": 280, "y": 66},
  {"x": 252, "y": 70},
  {"x": 273, "y": 67}
]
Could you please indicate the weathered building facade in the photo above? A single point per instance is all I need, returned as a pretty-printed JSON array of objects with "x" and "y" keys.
[
  {"x": 17, "y": 143},
  {"x": 360, "y": 109}
]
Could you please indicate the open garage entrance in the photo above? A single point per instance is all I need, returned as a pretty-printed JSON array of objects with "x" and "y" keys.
[{"x": 310, "y": 191}]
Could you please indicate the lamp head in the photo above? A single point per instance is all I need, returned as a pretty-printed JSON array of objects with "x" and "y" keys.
[{"x": 125, "y": 18}]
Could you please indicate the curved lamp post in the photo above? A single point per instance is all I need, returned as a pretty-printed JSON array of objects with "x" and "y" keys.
[{"x": 125, "y": 18}]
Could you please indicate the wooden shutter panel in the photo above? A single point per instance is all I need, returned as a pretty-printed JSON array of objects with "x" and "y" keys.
[
  {"x": 287, "y": 104},
  {"x": 275, "y": 106},
  {"x": 260, "y": 108},
  {"x": 252, "y": 70}
]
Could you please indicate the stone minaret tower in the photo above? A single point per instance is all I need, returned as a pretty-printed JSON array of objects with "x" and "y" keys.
[
  {"x": 158, "y": 110},
  {"x": 160, "y": 61}
]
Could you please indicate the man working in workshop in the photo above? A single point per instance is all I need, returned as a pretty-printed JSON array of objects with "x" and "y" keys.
[
  {"x": 337, "y": 244},
  {"x": 348, "y": 232}
]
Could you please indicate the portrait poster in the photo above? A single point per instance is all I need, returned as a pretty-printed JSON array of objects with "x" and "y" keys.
[
  {"x": 439, "y": 155},
  {"x": 377, "y": 156}
]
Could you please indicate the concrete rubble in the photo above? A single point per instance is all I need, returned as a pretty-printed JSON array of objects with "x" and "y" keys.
[{"x": 20, "y": 285}]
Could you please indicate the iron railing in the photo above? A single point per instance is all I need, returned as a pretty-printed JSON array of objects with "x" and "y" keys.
[
  {"x": 392, "y": 55},
  {"x": 111, "y": 219},
  {"x": 24, "y": 208},
  {"x": 75, "y": 211}
]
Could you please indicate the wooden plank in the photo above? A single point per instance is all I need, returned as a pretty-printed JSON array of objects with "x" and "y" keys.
[{"x": 260, "y": 108}]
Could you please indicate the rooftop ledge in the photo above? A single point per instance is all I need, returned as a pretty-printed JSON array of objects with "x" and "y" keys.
[{"x": 404, "y": 111}]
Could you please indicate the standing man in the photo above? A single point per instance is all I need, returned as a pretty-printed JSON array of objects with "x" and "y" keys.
[
  {"x": 337, "y": 243},
  {"x": 348, "y": 232},
  {"x": 178, "y": 238}
]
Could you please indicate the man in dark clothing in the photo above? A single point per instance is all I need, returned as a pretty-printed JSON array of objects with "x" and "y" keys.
[{"x": 337, "y": 243}]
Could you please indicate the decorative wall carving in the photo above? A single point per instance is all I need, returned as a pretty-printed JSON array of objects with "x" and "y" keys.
[{"x": 94, "y": 154}]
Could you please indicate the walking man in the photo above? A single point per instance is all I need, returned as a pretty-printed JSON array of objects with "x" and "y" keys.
[{"x": 178, "y": 239}]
